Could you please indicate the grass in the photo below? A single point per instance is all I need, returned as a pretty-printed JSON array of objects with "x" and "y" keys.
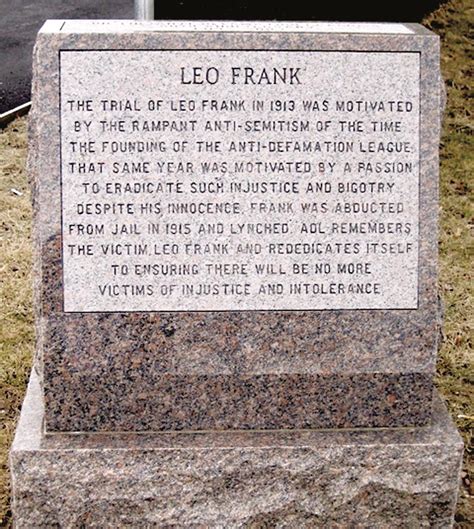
[
  {"x": 454, "y": 22},
  {"x": 16, "y": 314},
  {"x": 455, "y": 373}
]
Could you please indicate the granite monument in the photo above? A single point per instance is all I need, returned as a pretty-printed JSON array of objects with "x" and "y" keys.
[{"x": 236, "y": 278}]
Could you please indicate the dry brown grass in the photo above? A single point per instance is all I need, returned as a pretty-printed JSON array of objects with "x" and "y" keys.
[
  {"x": 16, "y": 318},
  {"x": 454, "y": 22}
]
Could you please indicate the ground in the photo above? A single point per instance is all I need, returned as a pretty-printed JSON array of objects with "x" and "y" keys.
[{"x": 455, "y": 373}]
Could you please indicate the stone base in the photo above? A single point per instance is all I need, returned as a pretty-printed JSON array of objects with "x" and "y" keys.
[{"x": 374, "y": 478}]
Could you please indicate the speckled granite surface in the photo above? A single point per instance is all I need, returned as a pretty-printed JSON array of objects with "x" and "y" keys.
[
  {"x": 99, "y": 442},
  {"x": 217, "y": 370},
  {"x": 362, "y": 479}
]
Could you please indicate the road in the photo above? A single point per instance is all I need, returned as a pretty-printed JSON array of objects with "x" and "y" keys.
[{"x": 20, "y": 20}]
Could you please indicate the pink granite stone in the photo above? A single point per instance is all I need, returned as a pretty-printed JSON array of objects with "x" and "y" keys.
[
  {"x": 397, "y": 479},
  {"x": 234, "y": 369}
]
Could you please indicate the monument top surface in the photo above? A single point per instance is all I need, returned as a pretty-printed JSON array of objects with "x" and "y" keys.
[{"x": 229, "y": 26}]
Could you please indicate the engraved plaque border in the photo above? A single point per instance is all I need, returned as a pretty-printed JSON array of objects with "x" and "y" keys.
[{"x": 256, "y": 50}]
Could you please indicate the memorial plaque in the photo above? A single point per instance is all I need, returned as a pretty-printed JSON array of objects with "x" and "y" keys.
[
  {"x": 241, "y": 219},
  {"x": 239, "y": 179}
]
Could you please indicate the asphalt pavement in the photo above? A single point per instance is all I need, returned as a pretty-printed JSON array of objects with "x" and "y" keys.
[{"x": 20, "y": 21}]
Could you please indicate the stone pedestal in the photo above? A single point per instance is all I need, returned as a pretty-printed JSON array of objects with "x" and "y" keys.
[{"x": 317, "y": 479}]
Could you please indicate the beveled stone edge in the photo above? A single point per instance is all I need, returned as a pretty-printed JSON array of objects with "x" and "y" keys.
[{"x": 232, "y": 26}]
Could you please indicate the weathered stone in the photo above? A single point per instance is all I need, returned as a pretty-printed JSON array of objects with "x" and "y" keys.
[{"x": 398, "y": 478}]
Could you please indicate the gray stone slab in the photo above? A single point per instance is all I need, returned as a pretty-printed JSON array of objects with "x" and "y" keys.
[
  {"x": 159, "y": 362},
  {"x": 387, "y": 478}
]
